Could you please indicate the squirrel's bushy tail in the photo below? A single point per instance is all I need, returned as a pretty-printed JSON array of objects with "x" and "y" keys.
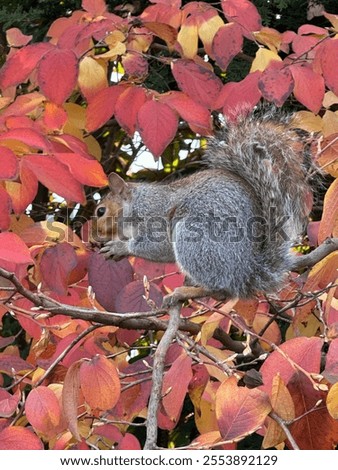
[{"x": 266, "y": 152}]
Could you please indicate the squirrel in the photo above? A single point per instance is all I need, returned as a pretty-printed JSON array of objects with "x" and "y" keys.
[{"x": 231, "y": 225}]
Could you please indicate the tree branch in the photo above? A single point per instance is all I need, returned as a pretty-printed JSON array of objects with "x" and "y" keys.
[
  {"x": 307, "y": 261},
  {"x": 157, "y": 377},
  {"x": 285, "y": 428}
]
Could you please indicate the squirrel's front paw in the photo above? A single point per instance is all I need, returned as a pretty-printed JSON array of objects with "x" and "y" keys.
[{"x": 115, "y": 249}]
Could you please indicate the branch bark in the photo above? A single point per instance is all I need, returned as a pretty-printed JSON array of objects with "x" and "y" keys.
[
  {"x": 157, "y": 377},
  {"x": 307, "y": 261}
]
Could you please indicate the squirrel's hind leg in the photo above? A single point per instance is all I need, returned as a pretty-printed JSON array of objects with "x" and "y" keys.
[{"x": 183, "y": 293}]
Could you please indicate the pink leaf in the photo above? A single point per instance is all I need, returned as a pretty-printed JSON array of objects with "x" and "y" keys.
[
  {"x": 5, "y": 209},
  {"x": 227, "y": 43},
  {"x": 57, "y": 74},
  {"x": 157, "y": 124},
  {"x": 131, "y": 298},
  {"x": 276, "y": 83},
  {"x": 8, "y": 164},
  {"x": 28, "y": 136},
  {"x": 56, "y": 264},
  {"x": 244, "y": 13},
  {"x": 16, "y": 38}
]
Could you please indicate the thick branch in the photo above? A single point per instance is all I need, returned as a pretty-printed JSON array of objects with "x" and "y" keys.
[
  {"x": 157, "y": 377},
  {"x": 307, "y": 261}
]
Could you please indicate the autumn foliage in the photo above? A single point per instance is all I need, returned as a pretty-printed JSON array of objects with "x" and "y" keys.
[{"x": 70, "y": 379}]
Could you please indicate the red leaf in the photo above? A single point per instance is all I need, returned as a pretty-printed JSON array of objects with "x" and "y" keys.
[
  {"x": 57, "y": 74},
  {"x": 23, "y": 193},
  {"x": 239, "y": 97},
  {"x": 56, "y": 264},
  {"x": 151, "y": 270},
  {"x": 244, "y": 13},
  {"x": 70, "y": 397},
  {"x": 131, "y": 298},
  {"x": 173, "y": 390},
  {"x": 157, "y": 124},
  {"x": 309, "y": 87},
  {"x": 8, "y": 404},
  {"x": 239, "y": 410},
  {"x": 327, "y": 55},
  {"x": 20, "y": 65},
  {"x": 198, "y": 82},
  {"x": 55, "y": 176},
  {"x": 108, "y": 278},
  {"x": 19, "y": 438},
  {"x": 198, "y": 117},
  {"x": 5, "y": 210},
  {"x": 227, "y": 43},
  {"x": 331, "y": 364},
  {"x": 276, "y": 83},
  {"x": 100, "y": 383},
  {"x": 101, "y": 107},
  {"x": 8, "y": 164},
  {"x": 127, "y": 107},
  {"x": 43, "y": 411},
  {"x": 13, "y": 251},
  {"x": 315, "y": 429},
  {"x": 87, "y": 171},
  {"x": 303, "y": 351},
  {"x": 12, "y": 365},
  {"x": 28, "y": 136}
]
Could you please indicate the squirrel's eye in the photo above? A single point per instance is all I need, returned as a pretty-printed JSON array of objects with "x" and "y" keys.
[{"x": 100, "y": 211}]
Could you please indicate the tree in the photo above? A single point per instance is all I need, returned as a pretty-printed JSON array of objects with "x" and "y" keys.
[{"x": 88, "y": 100}]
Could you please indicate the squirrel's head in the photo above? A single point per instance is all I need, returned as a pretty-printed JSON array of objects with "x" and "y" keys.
[{"x": 109, "y": 210}]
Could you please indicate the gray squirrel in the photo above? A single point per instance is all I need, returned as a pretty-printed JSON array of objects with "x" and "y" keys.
[{"x": 231, "y": 225}]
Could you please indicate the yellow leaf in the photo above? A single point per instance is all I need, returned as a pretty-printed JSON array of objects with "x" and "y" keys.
[
  {"x": 263, "y": 59},
  {"x": 330, "y": 123},
  {"x": 332, "y": 401},
  {"x": 188, "y": 39},
  {"x": 307, "y": 121},
  {"x": 93, "y": 147},
  {"x": 207, "y": 31},
  {"x": 270, "y": 38},
  {"x": 92, "y": 76},
  {"x": 115, "y": 37},
  {"x": 118, "y": 49}
]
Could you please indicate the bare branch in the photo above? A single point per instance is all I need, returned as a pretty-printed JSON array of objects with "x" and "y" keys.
[
  {"x": 283, "y": 425},
  {"x": 157, "y": 377},
  {"x": 307, "y": 261}
]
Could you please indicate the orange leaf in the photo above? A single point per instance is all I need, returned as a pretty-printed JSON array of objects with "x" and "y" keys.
[
  {"x": 163, "y": 31},
  {"x": 157, "y": 124},
  {"x": 332, "y": 401},
  {"x": 57, "y": 74},
  {"x": 86, "y": 170},
  {"x": 43, "y": 411},
  {"x": 94, "y": 7},
  {"x": 15, "y": 38},
  {"x": 101, "y": 107},
  {"x": 23, "y": 193},
  {"x": 100, "y": 383},
  {"x": 55, "y": 117},
  {"x": 197, "y": 81},
  {"x": 28, "y": 136},
  {"x": 239, "y": 410},
  {"x": 19, "y": 438},
  {"x": 70, "y": 397},
  {"x": 55, "y": 176},
  {"x": 173, "y": 390}
]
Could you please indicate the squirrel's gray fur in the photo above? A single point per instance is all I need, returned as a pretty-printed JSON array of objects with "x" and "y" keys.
[{"x": 230, "y": 226}]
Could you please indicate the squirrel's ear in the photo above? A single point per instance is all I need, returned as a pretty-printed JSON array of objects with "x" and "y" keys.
[{"x": 116, "y": 184}]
